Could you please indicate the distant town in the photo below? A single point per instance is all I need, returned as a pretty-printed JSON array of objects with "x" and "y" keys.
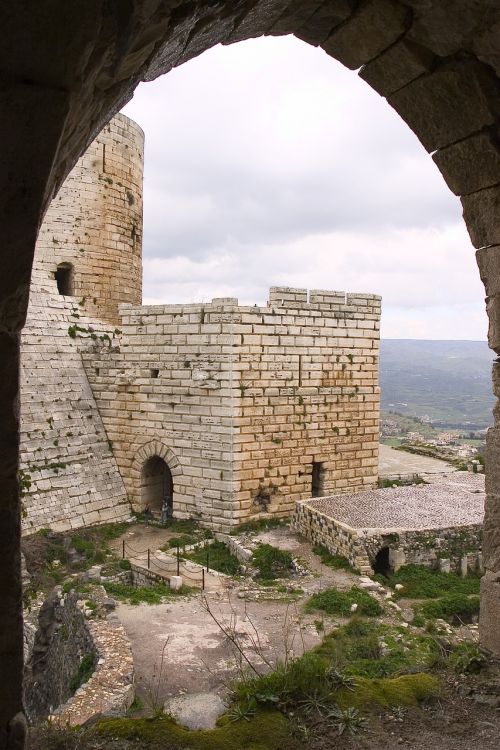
[{"x": 464, "y": 448}]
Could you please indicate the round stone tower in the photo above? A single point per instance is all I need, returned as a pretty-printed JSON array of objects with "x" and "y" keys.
[{"x": 90, "y": 244}]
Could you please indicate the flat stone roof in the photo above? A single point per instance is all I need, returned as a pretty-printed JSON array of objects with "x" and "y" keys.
[
  {"x": 392, "y": 463},
  {"x": 455, "y": 499}
]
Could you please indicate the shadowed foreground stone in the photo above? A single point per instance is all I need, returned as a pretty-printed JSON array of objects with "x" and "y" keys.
[{"x": 66, "y": 68}]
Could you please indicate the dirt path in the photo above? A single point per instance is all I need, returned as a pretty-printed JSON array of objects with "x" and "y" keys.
[{"x": 198, "y": 656}]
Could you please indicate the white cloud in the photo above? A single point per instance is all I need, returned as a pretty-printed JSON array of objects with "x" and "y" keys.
[{"x": 269, "y": 163}]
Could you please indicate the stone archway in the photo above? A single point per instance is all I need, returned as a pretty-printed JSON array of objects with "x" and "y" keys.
[
  {"x": 67, "y": 70},
  {"x": 155, "y": 469},
  {"x": 157, "y": 485}
]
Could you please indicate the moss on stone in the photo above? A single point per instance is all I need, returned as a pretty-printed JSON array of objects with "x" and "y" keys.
[
  {"x": 407, "y": 690},
  {"x": 267, "y": 730}
]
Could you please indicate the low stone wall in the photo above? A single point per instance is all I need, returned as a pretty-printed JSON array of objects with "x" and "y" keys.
[
  {"x": 338, "y": 538},
  {"x": 71, "y": 627},
  {"x": 460, "y": 545},
  {"x": 430, "y": 547},
  {"x": 235, "y": 547}
]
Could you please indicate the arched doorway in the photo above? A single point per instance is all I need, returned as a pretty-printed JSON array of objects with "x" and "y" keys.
[
  {"x": 64, "y": 279},
  {"x": 157, "y": 484},
  {"x": 381, "y": 563}
]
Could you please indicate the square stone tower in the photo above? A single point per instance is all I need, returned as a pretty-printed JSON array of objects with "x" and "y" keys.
[{"x": 232, "y": 412}]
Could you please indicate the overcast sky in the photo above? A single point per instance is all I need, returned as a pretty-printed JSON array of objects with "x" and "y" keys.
[{"x": 268, "y": 163}]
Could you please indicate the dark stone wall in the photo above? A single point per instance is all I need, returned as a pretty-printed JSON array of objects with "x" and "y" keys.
[
  {"x": 61, "y": 642},
  {"x": 66, "y": 68}
]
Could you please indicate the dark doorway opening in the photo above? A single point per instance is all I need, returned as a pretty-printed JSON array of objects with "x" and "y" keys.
[
  {"x": 317, "y": 480},
  {"x": 381, "y": 564},
  {"x": 157, "y": 484},
  {"x": 64, "y": 279}
]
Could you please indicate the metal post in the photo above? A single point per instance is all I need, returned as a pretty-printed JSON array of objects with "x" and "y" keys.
[
  {"x": 178, "y": 562},
  {"x": 123, "y": 549},
  {"x": 149, "y": 559},
  {"x": 203, "y": 579}
]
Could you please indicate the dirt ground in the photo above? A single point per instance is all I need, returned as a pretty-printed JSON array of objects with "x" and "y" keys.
[{"x": 198, "y": 656}]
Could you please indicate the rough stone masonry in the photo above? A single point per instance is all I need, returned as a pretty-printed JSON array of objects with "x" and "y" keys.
[{"x": 226, "y": 411}]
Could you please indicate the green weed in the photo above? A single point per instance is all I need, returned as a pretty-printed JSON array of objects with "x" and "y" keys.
[
  {"x": 217, "y": 556},
  {"x": 271, "y": 562},
  {"x": 423, "y": 583},
  {"x": 338, "y": 562},
  {"x": 335, "y": 602}
]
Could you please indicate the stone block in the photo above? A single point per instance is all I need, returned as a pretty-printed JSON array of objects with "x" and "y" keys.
[
  {"x": 482, "y": 216},
  {"x": 491, "y": 533},
  {"x": 456, "y": 100},
  {"x": 321, "y": 23},
  {"x": 397, "y": 66},
  {"x": 175, "y": 583},
  {"x": 374, "y": 26},
  {"x": 493, "y": 311},
  {"x": 471, "y": 164},
  {"x": 489, "y": 616}
]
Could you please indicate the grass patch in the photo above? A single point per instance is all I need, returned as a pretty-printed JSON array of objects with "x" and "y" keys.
[
  {"x": 260, "y": 524},
  {"x": 84, "y": 672},
  {"x": 144, "y": 594},
  {"x": 271, "y": 562},
  {"x": 339, "y": 673},
  {"x": 266, "y": 730},
  {"x": 424, "y": 583},
  {"x": 184, "y": 540},
  {"x": 455, "y": 608},
  {"x": 218, "y": 556},
  {"x": 368, "y": 649},
  {"x": 335, "y": 602},
  {"x": 338, "y": 562}
]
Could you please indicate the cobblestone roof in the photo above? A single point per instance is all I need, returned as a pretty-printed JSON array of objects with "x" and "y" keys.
[{"x": 455, "y": 499}]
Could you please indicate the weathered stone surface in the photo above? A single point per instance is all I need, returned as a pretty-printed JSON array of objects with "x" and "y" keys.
[
  {"x": 488, "y": 261},
  {"x": 328, "y": 16},
  {"x": 455, "y": 100},
  {"x": 471, "y": 164},
  {"x": 450, "y": 25},
  {"x": 257, "y": 18},
  {"x": 374, "y": 26},
  {"x": 397, "y": 66},
  {"x": 482, "y": 216},
  {"x": 491, "y": 532},
  {"x": 295, "y": 15},
  {"x": 489, "y": 616}
]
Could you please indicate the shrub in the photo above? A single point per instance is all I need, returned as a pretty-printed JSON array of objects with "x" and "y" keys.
[
  {"x": 423, "y": 583},
  {"x": 335, "y": 602},
  {"x": 125, "y": 564},
  {"x": 271, "y": 562},
  {"x": 453, "y": 608}
]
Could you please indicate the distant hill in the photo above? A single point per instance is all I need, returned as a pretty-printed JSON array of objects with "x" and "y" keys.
[{"x": 450, "y": 381}]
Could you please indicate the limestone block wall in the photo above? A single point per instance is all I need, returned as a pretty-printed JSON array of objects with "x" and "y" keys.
[
  {"x": 169, "y": 392},
  {"x": 95, "y": 222},
  {"x": 242, "y": 401},
  {"x": 338, "y": 538},
  {"x": 68, "y": 471},
  {"x": 309, "y": 394}
]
